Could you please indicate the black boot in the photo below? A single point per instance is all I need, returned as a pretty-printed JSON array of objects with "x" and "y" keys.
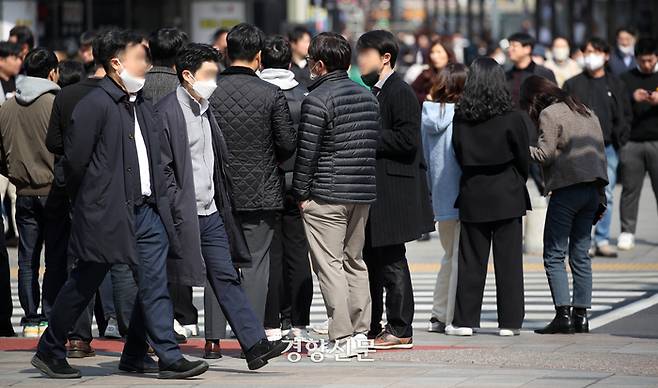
[
  {"x": 561, "y": 324},
  {"x": 55, "y": 368},
  {"x": 264, "y": 350},
  {"x": 579, "y": 319},
  {"x": 183, "y": 369}
]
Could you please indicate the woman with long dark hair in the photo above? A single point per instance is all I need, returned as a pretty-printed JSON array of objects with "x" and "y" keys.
[
  {"x": 439, "y": 56},
  {"x": 491, "y": 146},
  {"x": 444, "y": 174},
  {"x": 572, "y": 154}
]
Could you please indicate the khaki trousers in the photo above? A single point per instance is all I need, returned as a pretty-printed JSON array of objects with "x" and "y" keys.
[
  {"x": 445, "y": 289},
  {"x": 336, "y": 235}
]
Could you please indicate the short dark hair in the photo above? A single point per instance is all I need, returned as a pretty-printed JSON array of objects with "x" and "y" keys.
[
  {"x": 629, "y": 29},
  {"x": 381, "y": 40},
  {"x": 110, "y": 43},
  {"x": 218, "y": 32},
  {"x": 70, "y": 72},
  {"x": 164, "y": 43},
  {"x": 332, "y": 49},
  {"x": 244, "y": 41},
  {"x": 486, "y": 94},
  {"x": 297, "y": 33},
  {"x": 646, "y": 46},
  {"x": 87, "y": 38},
  {"x": 192, "y": 56},
  {"x": 597, "y": 43},
  {"x": 524, "y": 38},
  {"x": 8, "y": 49},
  {"x": 276, "y": 53},
  {"x": 39, "y": 62},
  {"x": 23, "y": 36}
]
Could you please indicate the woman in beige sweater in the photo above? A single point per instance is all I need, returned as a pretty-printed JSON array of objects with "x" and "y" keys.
[{"x": 571, "y": 152}]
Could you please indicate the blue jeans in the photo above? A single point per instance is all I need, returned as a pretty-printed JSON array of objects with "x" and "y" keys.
[
  {"x": 568, "y": 226},
  {"x": 602, "y": 230},
  {"x": 225, "y": 282}
]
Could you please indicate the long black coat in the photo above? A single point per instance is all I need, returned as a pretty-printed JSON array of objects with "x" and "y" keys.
[
  {"x": 402, "y": 211},
  {"x": 494, "y": 155},
  {"x": 177, "y": 163},
  {"x": 98, "y": 148}
]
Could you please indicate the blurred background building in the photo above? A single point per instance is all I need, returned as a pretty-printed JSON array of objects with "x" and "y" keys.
[{"x": 59, "y": 23}]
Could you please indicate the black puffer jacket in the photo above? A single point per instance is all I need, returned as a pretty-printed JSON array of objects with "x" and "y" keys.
[
  {"x": 337, "y": 142},
  {"x": 255, "y": 119}
]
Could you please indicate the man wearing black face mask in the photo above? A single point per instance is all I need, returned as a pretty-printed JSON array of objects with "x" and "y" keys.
[{"x": 402, "y": 211}]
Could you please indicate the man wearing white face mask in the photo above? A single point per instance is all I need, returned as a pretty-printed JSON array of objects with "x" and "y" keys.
[
  {"x": 561, "y": 63},
  {"x": 622, "y": 58},
  {"x": 606, "y": 95},
  {"x": 120, "y": 215},
  {"x": 194, "y": 155}
]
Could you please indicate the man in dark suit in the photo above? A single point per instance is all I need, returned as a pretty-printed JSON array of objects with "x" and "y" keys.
[
  {"x": 120, "y": 214},
  {"x": 520, "y": 54},
  {"x": 402, "y": 211}
]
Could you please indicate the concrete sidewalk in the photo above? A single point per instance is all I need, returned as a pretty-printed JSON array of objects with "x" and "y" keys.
[{"x": 484, "y": 360}]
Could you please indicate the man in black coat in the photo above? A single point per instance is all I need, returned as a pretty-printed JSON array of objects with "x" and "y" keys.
[
  {"x": 120, "y": 214},
  {"x": 193, "y": 154},
  {"x": 255, "y": 120},
  {"x": 402, "y": 211},
  {"x": 606, "y": 95},
  {"x": 520, "y": 54}
]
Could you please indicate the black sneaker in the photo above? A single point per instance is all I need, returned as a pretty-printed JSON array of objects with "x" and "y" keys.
[
  {"x": 180, "y": 339},
  {"x": 264, "y": 350},
  {"x": 182, "y": 369},
  {"x": 146, "y": 365},
  {"x": 55, "y": 368}
]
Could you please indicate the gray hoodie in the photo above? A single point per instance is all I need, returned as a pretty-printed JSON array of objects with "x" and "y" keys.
[{"x": 28, "y": 89}]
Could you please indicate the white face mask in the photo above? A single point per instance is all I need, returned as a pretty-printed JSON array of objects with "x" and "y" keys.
[
  {"x": 627, "y": 50},
  {"x": 561, "y": 53},
  {"x": 594, "y": 61},
  {"x": 132, "y": 84},
  {"x": 581, "y": 61},
  {"x": 204, "y": 88}
]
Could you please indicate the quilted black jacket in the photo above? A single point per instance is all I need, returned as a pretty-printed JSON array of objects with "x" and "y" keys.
[
  {"x": 337, "y": 142},
  {"x": 254, "y": 117}
]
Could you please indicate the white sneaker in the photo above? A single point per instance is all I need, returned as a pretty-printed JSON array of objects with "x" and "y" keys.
[
  {"x": 298, "y": 334},
  {"x": 178, "y": 328},
  {"x": 273, "y": 334},
  {"x": 626, "y": 241},
  {"x": 339, "y": 350},
  {"x": 192, "y": 330},
  {"x": 509, "y": 332},
  {"x": 31, "y": 330},
  {"x": 112, "y": 329},
  {"x": 361, "y": 343},
  {"x": 322, "y": 328},
  {"x": 459, "y": 331}
]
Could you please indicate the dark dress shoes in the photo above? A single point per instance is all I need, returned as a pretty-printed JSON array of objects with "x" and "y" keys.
[
  {"x": 182, "y": 369},
  {"x": 79, "y": 349},
  {"x": 212, "y": 350},
  {"x": 561, "y": 324},
  {"x": 145, "y": 365},
  {"x": 55, "y": 368},
  {"x": 264, "y": 350}
]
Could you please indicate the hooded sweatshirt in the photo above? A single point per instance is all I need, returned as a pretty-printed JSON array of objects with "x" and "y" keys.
[
  {"x": 23, "y": 125},
  {"x": 442, "y": 167}
]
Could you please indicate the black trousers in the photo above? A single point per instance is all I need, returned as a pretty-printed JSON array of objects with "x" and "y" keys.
[
  {"x": 184, "y": 311},
  {"x": 290, "y": 291},
  {"x": 388, "y": 269},
  {"x": 474, "y": 245}
]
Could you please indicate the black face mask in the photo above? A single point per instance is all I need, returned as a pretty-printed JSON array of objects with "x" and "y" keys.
[{"x": 370, "y": 79}]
